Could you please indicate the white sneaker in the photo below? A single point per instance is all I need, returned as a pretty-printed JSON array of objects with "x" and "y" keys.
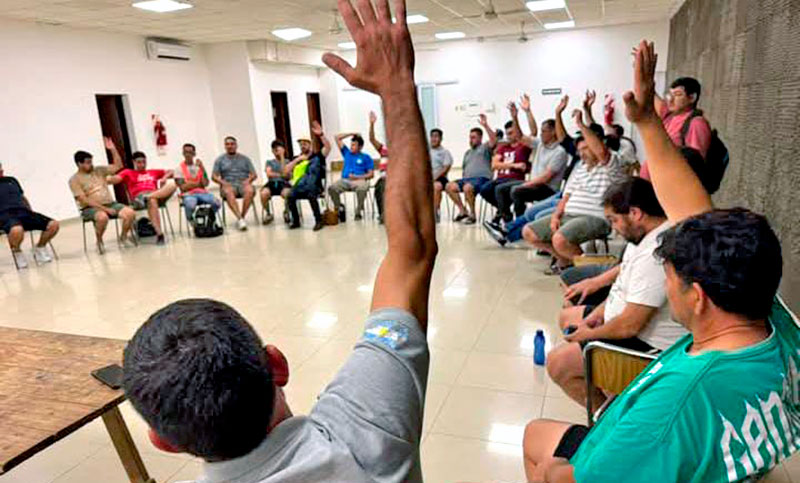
[
  {"x": 20, "y": 260},
  {"x": 41, "y": 256},
  {"x": 241, "y": 225}
]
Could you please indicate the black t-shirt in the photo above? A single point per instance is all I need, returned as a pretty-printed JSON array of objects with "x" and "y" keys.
[{"x": 11, "y": 194}]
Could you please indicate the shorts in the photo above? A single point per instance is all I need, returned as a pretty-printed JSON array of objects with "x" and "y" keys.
[
  {"x": 632, "y": 343},
  {"x": 29, "y": 220},
  {"x": 442, "y": 180},
  {"x": 276, "y": 186},
  {"x": 477, "y": 183},
  {"x": 140, "y": 201},
  {"x": 576, "y": 229},
  {"x": 571, "y": 441},
  {"x": 238, "y": 188},
  {"x": 88, "y": 213}
]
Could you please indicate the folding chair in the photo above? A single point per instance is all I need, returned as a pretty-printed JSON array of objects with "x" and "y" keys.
[
  {"x": 611, "y": 369},
  {"x": 116, "y": 226},
  {"x": 254, "y": 209},
  {"x": 163, "y": 210},
  {"x": 33, "y": 246}
]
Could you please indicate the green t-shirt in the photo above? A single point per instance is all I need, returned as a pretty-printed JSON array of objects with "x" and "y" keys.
[{"x": 713, "y": 417}]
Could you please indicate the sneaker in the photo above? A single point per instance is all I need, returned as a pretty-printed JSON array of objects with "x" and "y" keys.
[
  {"x": 294, "y": 226},
  {"x": 160, "y": 240},
  {"x": 286, "y": 217},
  {"x": 41, "y": 256},
  {"x": 241, "y": 225},
  {"x": 342, "y": 215},
  {"x": 495, "y": 234},
  {"x": 461, "y": 217},
  {"x": 543, "y": 253},
  {"x": 359, "y": 217},
  {"x": 268, "y": 219},
  {"x": 470, "y": 220},
  {"x": 21, "y": 260},
  {"x": 319, "y": 225},
  {"x": 494, "y": 225}
]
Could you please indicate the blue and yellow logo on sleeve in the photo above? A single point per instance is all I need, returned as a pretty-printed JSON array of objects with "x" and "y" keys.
[{"x": 389, "y": 333}]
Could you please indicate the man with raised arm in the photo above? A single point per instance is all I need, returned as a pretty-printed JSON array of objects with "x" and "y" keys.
[
  {"x": 204, "y": 382},
  {"x": 477, "y": 171},
  {"x": 723, "y": 403},
  {"x": 383, "y": 164},
  {"x": 359, "y": 169}
]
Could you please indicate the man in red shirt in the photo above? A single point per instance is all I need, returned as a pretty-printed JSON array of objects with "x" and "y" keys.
[
  {"x": 676, "y": 110},
  {"x": 142, "y": 185},
  {"x": 512, "y": 162}
]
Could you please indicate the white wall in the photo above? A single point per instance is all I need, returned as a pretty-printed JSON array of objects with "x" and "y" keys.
[
  {"x": 495, "y": 72},
  {"x": 50, "y": 76}
]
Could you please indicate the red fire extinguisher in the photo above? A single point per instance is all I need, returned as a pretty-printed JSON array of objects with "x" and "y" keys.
[{"x": 160, "y": 133}]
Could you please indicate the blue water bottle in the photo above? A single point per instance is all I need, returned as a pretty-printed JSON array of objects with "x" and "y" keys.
[{"x": 538, "y": 348}]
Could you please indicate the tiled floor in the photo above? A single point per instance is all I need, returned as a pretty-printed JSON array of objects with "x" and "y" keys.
[{"x": 309, "y": 294}]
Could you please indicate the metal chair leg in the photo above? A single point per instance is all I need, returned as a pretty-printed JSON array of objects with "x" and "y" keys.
[{"x": 83, "y": 228}]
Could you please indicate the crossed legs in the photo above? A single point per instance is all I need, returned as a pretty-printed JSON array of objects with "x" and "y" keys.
[{"x": 469, "y": 193}]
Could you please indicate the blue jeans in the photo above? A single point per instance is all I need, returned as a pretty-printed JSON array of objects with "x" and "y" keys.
[
  {"x": 191, "y": 201},
  {"x": 536, "y": 211}
]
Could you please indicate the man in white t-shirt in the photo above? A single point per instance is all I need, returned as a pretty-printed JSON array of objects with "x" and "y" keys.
[{"x": 635, "y": 315}]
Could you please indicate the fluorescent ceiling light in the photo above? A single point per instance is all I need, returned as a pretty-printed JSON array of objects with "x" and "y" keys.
[
  {"x": 162, "y": 6},
  {"x": 450, "y": 35},
  {"x": 347, "y": 46},
  {"x": 542, "y": 5},
  {"x": 291, "y": 34},
  {"x": 560, "y": 25},
  {"x": 412, "y": 19}
]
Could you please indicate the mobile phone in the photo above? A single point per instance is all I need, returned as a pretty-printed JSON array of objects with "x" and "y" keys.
[{"x": 111, "y": 376}]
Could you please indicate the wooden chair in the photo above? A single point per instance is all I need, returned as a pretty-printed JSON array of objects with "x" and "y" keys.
[
  {"x": 611, "y": 369},
  {"x": 33, "y": 246}
]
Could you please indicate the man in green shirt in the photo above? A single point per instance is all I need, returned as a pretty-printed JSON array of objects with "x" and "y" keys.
[{"x": 723, "y": 403}]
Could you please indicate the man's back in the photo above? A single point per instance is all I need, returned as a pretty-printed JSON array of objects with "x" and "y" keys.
[{"x": 715, "y": 416}]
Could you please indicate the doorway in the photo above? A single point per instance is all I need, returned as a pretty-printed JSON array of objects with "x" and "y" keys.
[
  {"x": 314, "y": 114},
  {"x": 280, "y": 115},
  {"x": 113, "y": 113}
]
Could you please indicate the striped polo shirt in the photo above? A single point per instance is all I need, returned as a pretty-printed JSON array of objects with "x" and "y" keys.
[{"x": 586, "y": 187}]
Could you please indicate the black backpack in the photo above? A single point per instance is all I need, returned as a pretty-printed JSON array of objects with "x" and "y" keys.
[
  {"x": 717, "y": 158},
  {"x": 205, "y": 222},
  {"x": 145, "y": 228}
]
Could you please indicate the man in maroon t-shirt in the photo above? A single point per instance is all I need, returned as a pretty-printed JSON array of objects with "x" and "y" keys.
[
  {"x": 142, "y": 186},
  {"x": 512, "y": 163}
]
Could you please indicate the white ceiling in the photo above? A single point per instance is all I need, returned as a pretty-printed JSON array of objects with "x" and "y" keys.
[{"x": 227, "y": 20}]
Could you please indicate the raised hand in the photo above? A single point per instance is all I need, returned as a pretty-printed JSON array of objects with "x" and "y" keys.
[
  {"x": 525, "y": 102},
  {"x": 591, "y": 96},
  {"x": 373, "y": 118},
  {"x": 562, "y": 105},
  {"x": 316, "y": 128},
  {"x": 512, "y": 108},
  {"x": 640, "y": 103},
  {"x": 577, "y": 116},
  {"x": 384, "y": 51},
  {"x": 483, "y": 120},
  {"x": 109, "y": 144}
]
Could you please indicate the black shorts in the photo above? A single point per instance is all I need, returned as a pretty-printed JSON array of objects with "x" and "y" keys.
[
  {"x": 632, "y": 343},
  {"x": 29, "y": 220},
  {"x": 276, "y": 186},
  {"x": 571, "y": 441}
]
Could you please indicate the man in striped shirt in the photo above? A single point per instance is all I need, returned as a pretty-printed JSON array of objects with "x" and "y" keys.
[{"x": 579, "y": 216}]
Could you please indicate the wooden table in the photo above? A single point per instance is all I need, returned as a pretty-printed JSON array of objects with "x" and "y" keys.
[{"x": 47, "y": 392}]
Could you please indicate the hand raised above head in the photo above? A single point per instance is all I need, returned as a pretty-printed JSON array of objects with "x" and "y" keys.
[
  {"x": 384, "y": 51},
  {"x": 563, "y": 104},
  {"x": 640, "y": 102},
  {"x": 373, "y": 118},
  {"x": 525, "y": 102}
]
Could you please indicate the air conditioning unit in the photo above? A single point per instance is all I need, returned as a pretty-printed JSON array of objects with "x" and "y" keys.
[{"x": 160, "y": 50}]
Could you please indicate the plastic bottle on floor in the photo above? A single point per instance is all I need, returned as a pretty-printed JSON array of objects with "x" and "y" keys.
[{"x": 538, "y": 348}]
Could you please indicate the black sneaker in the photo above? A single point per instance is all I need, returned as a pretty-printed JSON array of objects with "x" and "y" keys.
[
  {"x": 461, "y": 217},
  {"x": 294, "y": 226},
  {"x": 496, "y": 235},
  {"x": 319, "y": 225},
  {"x": 470, "y": 220},
  {"x": 286, "y": 217},
  {"x": 359, "y": 217},
  {"x": 495, "y": 226},
  {"x": 160, "y": 240},
  {"x": 342, "y": 215}
]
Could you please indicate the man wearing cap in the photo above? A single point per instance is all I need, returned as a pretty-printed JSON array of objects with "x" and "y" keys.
[{"x": 308, "y": 174}]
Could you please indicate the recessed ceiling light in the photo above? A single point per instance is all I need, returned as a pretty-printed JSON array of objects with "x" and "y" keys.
[
  {"x": 291, "y": 34},
  {"x": 162, "y": 6},
  {"x": 347, "y": 45},
  {"x": 542, "y": 5},
  {"x": 560, "y": 25},
  {"x": 450, "y": 35},
  {"x": 412, "y": 19}
]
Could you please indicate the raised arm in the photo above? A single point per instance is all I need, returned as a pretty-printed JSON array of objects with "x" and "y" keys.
[
  {"x": 341, "y": 137},
  {"x": 561, "y": 131},
  {"x": 386, "y": 68},
  {"x": 597, "y": 146},
  {"x": 588, "y": 103},
  {"x": 116, "y": 159},
  {"x": 373, "y": 118},
  {"x": 678, "y": 188},
  {"x": 484, "y": 122},
  {"x": 526, "y": 108},
  {"x": 514, "y": 112},
  {"x": 316, "y": 129}
]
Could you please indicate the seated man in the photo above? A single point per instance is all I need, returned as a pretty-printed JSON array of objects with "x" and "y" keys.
[
  {"x": 142, "y": 185},
  {"x": 89, "y": 186},
  {"x": 277, "y": 181},
  {"x": 235, "y": 173},
  {"x": 635, "y": 315},
  {"x": 722, "y": 403},
  {"x": 205, "y": 383},
  {"x": 16, "y": 217},
  {"x": 549, "y": 162},
  {"x": 512, "y": 163},
  {"x": 441, "y": 162},
  {"x": 383, "y": 151},
  {"x": 579, "y": 216},
  {"x": 358, "y": 170},
  {"x": 192, "y": 179},
  {"x": 477, "y": 172},
  {"x": 310, "y": 185}
]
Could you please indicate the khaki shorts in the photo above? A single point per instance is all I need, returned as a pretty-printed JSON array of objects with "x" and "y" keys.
[
  {"x": 88, "y": 213},
  {"x": 576, "y": 229}
]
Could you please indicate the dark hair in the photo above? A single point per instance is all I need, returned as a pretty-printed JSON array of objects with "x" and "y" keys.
[
  {"x": 631, "y": 192},
  {"x": 230, "y": 138},
  {"x": 477, "y": 130},
  {"x": 551, "y": 123},
  {"x": 438, "y": 131},
  {"x": 278, "y": 144},
  {"x": 732, "y": 254},
  {"x": 690, "y": 85},
  {"x": 509, "y": 125},
  {"x": 190, "y": 145},
  {"x": 598, "y": 129},
  {"x": 81, "y": 157},
  {"x": 357, "y": 138},
  {"x": 195, "y": 371},
  {"x": 500, "y": 134},
  {"x": 138, "y": 154},
  {"x": 619, "y": 130}
]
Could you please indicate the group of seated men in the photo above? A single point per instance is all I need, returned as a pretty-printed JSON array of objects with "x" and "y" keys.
[{"x": 720, "y": 404}]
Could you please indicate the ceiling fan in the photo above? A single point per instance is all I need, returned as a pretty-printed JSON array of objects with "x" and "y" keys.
[{"x": 491, "y": 12}]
